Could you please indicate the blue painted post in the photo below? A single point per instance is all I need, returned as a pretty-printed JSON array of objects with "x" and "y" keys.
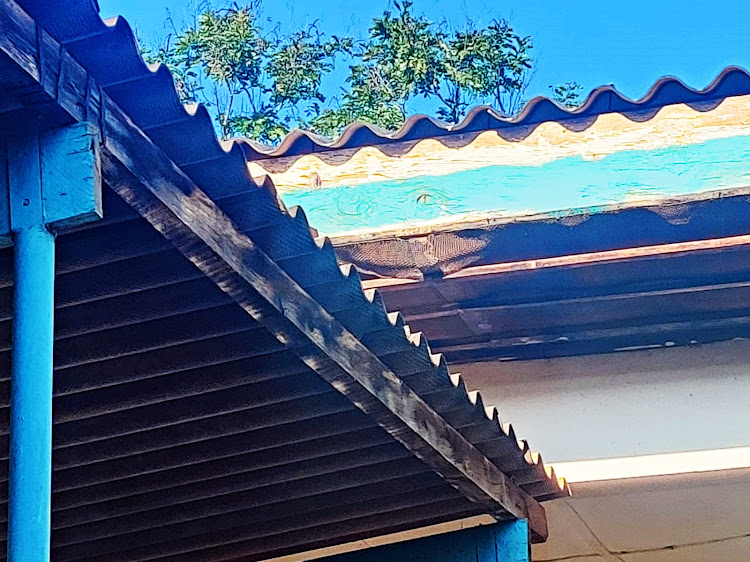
[
  {"x": 31, "y": 397},
  {"x": 501, "y": 542},
  {"x": 53, "y": 181},
  {"x": 30, "y": 476}
]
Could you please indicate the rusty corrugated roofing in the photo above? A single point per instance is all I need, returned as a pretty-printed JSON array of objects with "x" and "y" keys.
[{"x": 183, "y": 429}]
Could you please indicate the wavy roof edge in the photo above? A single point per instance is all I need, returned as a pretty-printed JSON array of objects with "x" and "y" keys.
[
  {"x": 668, "y": 90},
  {"x": 82, "y": 31},
  {"x": 148, "y": 97}
]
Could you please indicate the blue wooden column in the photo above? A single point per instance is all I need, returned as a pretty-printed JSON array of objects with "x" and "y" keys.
[
  {"x": 501, "y": 542},
  {"x": 53, "y": 182}
]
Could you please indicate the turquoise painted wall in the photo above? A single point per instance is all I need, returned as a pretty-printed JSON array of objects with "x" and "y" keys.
[
  {"x": 562, "y": 184},
  {"x": 501, "y": 542}
]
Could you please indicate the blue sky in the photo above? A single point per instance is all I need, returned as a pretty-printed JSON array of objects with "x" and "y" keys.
[{"x": 630, "y": 43}]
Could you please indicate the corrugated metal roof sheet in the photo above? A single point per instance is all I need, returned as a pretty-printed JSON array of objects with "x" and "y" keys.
[
  {"x": 732, "y": 81},
  {"x": 183, "y": 429},
  {"x": 149, "y": 98}
]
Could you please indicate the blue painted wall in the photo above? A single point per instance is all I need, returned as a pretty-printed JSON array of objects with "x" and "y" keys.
[{"x": 502, "y": 542}]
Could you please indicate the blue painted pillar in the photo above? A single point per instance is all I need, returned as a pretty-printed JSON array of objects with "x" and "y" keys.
[
  {"x": 29, "y": 494},
  {"x": 501, "y": 542},
  {"x": 31, "y": 397},
  {"x": 53, "y": 182}
]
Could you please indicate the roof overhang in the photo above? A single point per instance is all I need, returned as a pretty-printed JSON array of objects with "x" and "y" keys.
[{"x": 216, "y": 224}]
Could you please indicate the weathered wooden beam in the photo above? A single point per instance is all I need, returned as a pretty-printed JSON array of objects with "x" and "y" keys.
[
  {"x": 651, "y": 334},
  {"x": 152, "y": 184},
  {"x": 618, "y": 306}
]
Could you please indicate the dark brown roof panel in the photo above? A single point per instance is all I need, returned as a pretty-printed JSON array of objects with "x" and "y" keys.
[
  {"x": 192, "y": 428},
  {"x": 109, "y": 51}
]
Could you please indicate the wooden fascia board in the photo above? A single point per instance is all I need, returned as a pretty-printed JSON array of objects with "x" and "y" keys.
[{"x": 143, "y": 176}]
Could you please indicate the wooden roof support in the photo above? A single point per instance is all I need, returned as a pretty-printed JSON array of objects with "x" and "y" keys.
[
  {"x": 53, "y": 181},
  {"x": 143, "y": 175}
]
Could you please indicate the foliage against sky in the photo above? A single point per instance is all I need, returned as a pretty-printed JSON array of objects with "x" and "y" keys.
[{"x": 260, "y": 83}]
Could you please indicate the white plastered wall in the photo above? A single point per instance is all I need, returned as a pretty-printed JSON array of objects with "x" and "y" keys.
[
  {"x": 678, "y": 413},
  {"x": 624, "y": 404}
]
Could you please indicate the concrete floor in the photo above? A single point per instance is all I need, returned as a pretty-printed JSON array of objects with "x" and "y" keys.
[{"x": 699, "y": 517}]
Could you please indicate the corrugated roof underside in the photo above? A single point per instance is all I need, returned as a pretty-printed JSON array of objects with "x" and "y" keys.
[
  {"x": 185, "y": 431},
  {"x": 660, "y": 300}
]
